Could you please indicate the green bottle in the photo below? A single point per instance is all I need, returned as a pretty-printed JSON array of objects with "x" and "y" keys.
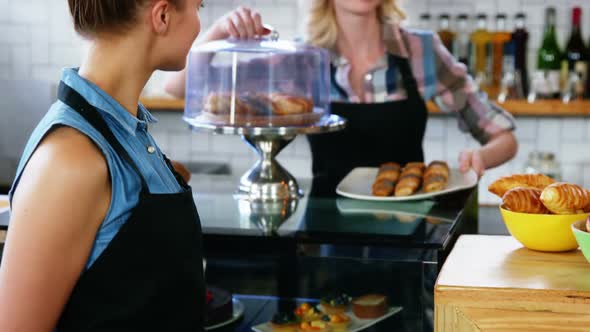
[{"x": 547, "y": 78}]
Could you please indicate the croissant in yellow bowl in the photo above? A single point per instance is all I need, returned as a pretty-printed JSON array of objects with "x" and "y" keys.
[{"x": 565, "y": 198}]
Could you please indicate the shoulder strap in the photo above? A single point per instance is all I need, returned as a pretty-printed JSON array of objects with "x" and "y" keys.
[{"x": 73, "y": 99}]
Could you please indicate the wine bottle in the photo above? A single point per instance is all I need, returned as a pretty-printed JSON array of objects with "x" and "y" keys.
[
  {"x": 575, "y": 62},
  {"x": 547, "y": 77},
  {"x": 520, "y": 38}
]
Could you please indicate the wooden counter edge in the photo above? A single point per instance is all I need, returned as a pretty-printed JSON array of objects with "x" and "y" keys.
[{"x": 546, "y": 108}]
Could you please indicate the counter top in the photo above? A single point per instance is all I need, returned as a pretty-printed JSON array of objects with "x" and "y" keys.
[
  {"x": 543, "y": 108},
  {"x": 490, "y": 282}
]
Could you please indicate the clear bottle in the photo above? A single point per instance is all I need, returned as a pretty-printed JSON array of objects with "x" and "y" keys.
[
  {"x": 444, "y": 31},
  {"x": 480, "y": 41},
  {"x": 462, "y": 37},
  {"x": 500, "y": 38}
]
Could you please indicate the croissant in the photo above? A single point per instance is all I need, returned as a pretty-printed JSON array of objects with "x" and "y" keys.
[
  {"x": 383, "y": 188},
  {"x": 288, "y": 105},
  {"x": 389, "y": 171},
  {"x": 564, "y": 198},
  {"x": 535, "y": 181},
  {"x": 408, "y": 184},
  {"x": 587, "y": 207},
  {"x": 418, "y": 164},
  {"x": 524, "y": 200},
  {"x": 434, "y": 183}
]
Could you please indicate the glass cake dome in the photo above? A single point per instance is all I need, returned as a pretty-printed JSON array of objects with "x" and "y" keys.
[{"x": 256, "y": 83}]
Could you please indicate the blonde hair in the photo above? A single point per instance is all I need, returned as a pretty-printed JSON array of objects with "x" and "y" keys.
[{"x": 322, "y": 28}]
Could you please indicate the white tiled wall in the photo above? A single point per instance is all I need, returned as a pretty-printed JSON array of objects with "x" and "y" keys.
[{"x": 37, "y": 40}]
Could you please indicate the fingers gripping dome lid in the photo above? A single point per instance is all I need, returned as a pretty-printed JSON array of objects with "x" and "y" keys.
[{"x": 257, "y": 83}]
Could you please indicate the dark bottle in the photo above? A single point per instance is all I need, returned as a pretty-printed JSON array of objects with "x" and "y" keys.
[
  {"x": 444, "y": 31},
  {"x": 520, "y": 38},
  {"x": 576, "y": 56}
]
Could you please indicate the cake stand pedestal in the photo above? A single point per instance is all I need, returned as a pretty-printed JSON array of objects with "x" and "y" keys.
[{"x": 267, "y": 180}]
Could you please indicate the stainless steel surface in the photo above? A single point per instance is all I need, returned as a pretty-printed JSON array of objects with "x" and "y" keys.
[{"x": 267, "y": 179}]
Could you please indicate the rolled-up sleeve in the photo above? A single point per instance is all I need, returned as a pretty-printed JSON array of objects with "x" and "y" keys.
[{"x": 456, "y": 92}]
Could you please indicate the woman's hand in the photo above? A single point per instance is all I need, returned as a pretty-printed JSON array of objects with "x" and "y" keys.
[
  {"x": 182, "y": 170},
  {"x": 242, "y": 23},
  {"x": 472, "y": 159}
]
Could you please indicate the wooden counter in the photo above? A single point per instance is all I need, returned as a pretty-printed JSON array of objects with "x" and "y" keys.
[
  {"x": 492, "y": 283},
  {"x": 545, "y": 108}
]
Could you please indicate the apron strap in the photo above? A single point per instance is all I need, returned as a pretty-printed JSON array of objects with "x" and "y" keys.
[
  {"x": 408, "y": 79},
  {"x": 74, "y": 100}
]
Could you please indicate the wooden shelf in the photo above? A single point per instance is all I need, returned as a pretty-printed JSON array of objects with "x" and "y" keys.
[{"x": 544, "y": 108}]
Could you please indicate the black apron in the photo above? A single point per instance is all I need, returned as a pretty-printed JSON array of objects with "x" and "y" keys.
[
  {"x": 150, "y": 277},
  {"x": 375, "y": 133}
]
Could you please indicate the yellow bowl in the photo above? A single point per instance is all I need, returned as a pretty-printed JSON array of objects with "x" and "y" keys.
[{"x": 543, "y": 232}]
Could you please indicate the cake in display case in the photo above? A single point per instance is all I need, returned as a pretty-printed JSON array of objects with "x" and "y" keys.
[{"x": 267, "y": 90}]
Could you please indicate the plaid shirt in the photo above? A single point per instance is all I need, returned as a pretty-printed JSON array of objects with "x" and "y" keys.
[{"x": 439, "y": 77}]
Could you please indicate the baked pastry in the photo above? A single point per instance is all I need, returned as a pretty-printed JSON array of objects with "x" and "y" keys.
[
  {"x": 222, "y": 103},
  {"x": 285, "y": 322},
  {"x": 418, "y": 164},
  {"x": 587, "y": 207},
  {"x": 338, "y": 322},
  {"x": 332, "y": 305},
  {"x": 383, "y": 188},
  {"x": 415, "y": 170},
  {"x": 285, "y": 104},
  {"x": 436, "y": 176},
  {"x": 535, "y": 181},
  {"x": 407, "y": 185},
  {"x": 389, "y": 171},
  {"x": 564, "y": 198},
  {"x": 308, "y": 313},
  {"x": 315, "y": 326},
  {"x": 524, "y": 200},
  {"x": 369, "y": 306}
]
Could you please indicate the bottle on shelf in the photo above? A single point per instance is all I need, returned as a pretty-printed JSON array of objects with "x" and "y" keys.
[
  {"x": 520, "y": 38},
  {"x": 444, "y": 31},
  {"x": 500, "y": 39},
  {"x": 546, "y": 80},
  {"x": 480, "y": 44},
  {"x": 461, "y": 42},
  {"x": 425, "y": 22},
  {"x": 575, "y": 61}
]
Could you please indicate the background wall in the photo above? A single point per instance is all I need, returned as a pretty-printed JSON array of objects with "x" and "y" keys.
[{"x": 37, "y": 40}]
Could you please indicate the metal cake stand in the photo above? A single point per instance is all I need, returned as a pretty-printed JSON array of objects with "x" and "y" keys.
[{"x": 267, "y": 179}]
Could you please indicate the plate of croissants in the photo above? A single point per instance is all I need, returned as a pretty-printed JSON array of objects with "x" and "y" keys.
[{"x": 413, "y": 181}]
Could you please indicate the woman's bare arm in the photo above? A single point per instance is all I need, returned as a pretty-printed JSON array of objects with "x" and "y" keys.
[{"x": 59, "y": 204}]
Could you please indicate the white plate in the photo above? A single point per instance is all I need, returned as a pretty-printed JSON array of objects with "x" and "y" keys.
[
  {"x": 356, "y": 324},
  {"x": 238, "y": 312},
  {"x": 357, "y": 184}
]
